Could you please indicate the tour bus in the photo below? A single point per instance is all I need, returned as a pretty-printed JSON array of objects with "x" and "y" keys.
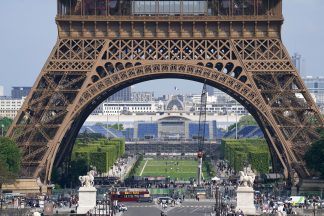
[{"x": 131, "y": 195}]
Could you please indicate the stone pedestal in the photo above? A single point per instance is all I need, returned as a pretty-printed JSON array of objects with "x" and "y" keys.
[
  {"x": 26, "y": 186},
  {"x": 245, "y": 200},
  {"x": 87, "y": 199}
]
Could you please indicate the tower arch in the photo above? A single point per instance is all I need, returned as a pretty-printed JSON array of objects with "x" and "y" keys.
[{"x": 103, "y": 50}]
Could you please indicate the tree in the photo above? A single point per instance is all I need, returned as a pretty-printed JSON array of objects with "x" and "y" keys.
[
  {"x": 117, "y": 126},
  {"x": 114, "y": 126},
  {"x": 10, "y": 155},
  {"x": 6, "y": 122},
  {"x": 314, "y": 157},
  {"x": 245, "y": 120},
  {"x": 67, "y": 175},
  {"x": 78, "y": 168},
  {"x": 6, "y": 177},
  {"x": 320, "y": 131}
]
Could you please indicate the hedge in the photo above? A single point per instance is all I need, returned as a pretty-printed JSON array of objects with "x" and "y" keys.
[
  {"x": 101, "y": 153},
  {"x": 253, "y": 151}
]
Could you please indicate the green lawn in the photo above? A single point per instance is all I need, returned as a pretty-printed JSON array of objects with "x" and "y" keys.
[{"x": 175, "y": 169}]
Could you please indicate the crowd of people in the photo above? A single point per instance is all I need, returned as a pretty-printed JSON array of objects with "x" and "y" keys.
[
  {"x": 122, "y": 167},
  {"x": 267, "y": 202}
]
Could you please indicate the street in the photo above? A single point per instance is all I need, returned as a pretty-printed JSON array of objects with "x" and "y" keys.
[{"x": 188, "y": 208}]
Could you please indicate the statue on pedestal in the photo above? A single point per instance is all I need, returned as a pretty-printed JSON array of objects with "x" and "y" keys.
[
  {"x": 247, "y": 177},
  {"x": 87, "y": 193},
  {"x": 245, "y": 192},
  {"x": 87, "y": 180}
]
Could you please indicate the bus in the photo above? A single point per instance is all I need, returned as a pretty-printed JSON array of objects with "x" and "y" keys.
[{"x": 131, "y": 195}]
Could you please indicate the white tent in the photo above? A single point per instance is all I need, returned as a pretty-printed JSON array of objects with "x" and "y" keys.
[{"x": 215, "y": 178}]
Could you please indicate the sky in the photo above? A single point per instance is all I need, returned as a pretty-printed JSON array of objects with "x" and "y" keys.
[{"x": 28, "y": 33}]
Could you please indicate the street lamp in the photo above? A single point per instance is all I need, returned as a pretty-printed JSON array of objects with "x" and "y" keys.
[
  {"x": 217, "y": 201},
  {"x": 1, "y": 199},
  {"x": 314, "y": 209},
  {"x": 236, "y": 129},
  {"x": 2, "y": 127}
]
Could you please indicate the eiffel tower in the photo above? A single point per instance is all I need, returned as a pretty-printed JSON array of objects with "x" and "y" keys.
[{"x": 104, "y": 46}]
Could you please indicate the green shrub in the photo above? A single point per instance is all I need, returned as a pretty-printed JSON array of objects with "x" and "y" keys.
[
  {"x": 252, "y": 151},
  {"x": 101, "y": 153}
]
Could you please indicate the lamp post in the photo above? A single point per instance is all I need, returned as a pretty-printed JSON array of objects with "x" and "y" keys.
[
  {"x": 1, "y": 199},
  {"x": 236, "y": 129},
  {"x": 314, "y": 209},
  {"x": 217, "y": 201},
  {"x": 2, "y": 127},
  {"x": 111, "y": 204}
]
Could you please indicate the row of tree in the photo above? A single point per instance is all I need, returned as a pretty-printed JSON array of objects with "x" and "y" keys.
[
  {"x": 314, "y": 157},
  {"x": 10, "y": 157},
  {"x": 89, "y": 151},
  {"x": 114, "y": 126},
  {"x": 240, "y": 152},
  {"x": 244, "y": 120}
]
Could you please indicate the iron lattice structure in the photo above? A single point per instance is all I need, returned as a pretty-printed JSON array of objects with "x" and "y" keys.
[{"x": 97, "y": 55}]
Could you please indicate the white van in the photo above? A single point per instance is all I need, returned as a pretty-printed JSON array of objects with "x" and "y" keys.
[{"x": 296, "y": 200}]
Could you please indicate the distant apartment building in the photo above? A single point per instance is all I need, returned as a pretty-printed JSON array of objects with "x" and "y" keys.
[
  {"x": 142, "y": 96},
  {"x": 122, "y": 95},
  {"x": 113, "y": 108},
  {"x": 10, "y": 106},
  {"x": 315, "y": 86},
  {"x": 20, "y": 92},
  {"x": 223, "y": 109},
  {"x": 98, "y": 110},
  {"x": 222, "y": 97},
  {"x": 219, "y": 98},
  {"x": 1, "y": 91}
]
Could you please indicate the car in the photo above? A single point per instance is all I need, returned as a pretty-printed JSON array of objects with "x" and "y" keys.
[
  {"x": 122, "y": 207},
  {"x": 178, "y": 199},
  {"x": 166, "y": 200}
]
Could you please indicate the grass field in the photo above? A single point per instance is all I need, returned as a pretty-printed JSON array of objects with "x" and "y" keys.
[{"x": 174, "y": 169}]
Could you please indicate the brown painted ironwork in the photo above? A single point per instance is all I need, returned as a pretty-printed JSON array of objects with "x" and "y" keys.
[{"x": 96, "y": 55}]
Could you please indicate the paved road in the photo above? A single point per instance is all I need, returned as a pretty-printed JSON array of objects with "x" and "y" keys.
[
  {"x": 142, "y": 209},
  {"x": 192, "y": 209},
  {"x": 188, "y": 208}
]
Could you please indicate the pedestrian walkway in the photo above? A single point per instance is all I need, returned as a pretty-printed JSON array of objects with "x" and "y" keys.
[
  {"x": 141, "y": 206},
  {"x": 122, "y": 167},
  {"x": 201, "y": 200}
]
